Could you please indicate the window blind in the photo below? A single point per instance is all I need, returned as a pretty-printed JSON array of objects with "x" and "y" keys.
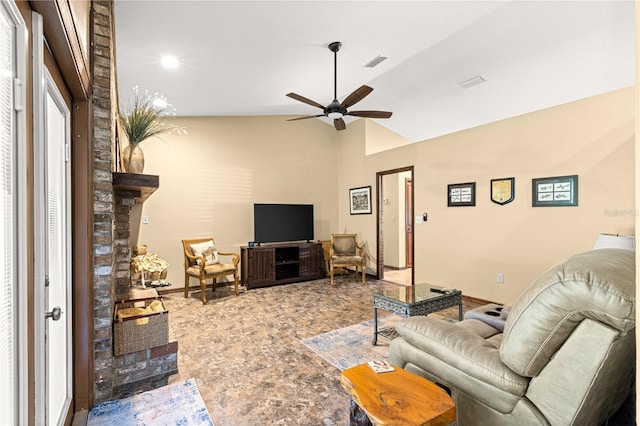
[{"x": 8, "y": 244}]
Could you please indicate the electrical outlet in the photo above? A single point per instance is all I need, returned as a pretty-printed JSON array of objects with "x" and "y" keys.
[
  {"x": 145, "y": 220},
  {"x": 500, "y": 278}
]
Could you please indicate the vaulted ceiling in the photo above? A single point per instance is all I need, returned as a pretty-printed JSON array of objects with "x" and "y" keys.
[{"x": 243, "y": 57}]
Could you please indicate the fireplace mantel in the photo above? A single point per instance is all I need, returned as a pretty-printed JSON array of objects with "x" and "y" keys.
[{"x": 136, "y": 185}]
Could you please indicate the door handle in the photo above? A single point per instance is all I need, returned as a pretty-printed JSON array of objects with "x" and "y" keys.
[{"x": 54, "y": 314}]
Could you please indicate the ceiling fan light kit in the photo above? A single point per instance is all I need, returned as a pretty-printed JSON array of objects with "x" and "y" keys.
[{"x": 336, "y": 110}]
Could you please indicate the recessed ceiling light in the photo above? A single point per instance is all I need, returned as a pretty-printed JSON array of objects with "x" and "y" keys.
[{"x": 169, "y": 61}]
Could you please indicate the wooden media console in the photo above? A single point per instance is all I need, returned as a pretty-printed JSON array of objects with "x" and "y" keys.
[{"x": 273, "y": 264}]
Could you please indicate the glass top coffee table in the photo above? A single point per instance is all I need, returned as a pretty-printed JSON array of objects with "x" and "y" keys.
[{"x": 419, "y": 299}]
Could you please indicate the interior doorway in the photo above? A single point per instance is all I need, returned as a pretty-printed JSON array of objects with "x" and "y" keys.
[{"x": 395, "y": 241}]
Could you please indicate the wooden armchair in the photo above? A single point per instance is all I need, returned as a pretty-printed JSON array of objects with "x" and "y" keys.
[
  {"x": 345, "y": 251},
  {"x": 201, "y": 260}
]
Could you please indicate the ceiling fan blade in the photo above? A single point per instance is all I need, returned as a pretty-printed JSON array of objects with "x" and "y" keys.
[
  {"x": 305, "y": 117},
  {"x": 305, "y": 100},
  {"x": 355, "y": 97},
  {"x": 370, "y": 114},
  {"x": 339, "y": 124}
]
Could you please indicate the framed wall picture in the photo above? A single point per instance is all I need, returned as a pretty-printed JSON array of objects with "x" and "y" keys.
[
  {"x": 461, "y": 194},
  {"x": 503, "y": 190},
  {"x": 555, "y": 191},
  {"x": 360, "y": 200}
]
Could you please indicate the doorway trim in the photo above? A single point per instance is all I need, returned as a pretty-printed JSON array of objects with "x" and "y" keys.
[
  {"x": 63, "y": 33},
  {"x": 46, "y": 90},
  {"x": 409, "y": 221},
  {"x": 379, "y": 228}
]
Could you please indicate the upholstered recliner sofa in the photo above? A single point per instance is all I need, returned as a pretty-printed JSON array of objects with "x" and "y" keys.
[{"x": 566, "y": 357}]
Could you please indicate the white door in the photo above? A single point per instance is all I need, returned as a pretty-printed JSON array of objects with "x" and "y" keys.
[
  {"x": 53, "y": 241},
  {"x": 58, "y": 279}
]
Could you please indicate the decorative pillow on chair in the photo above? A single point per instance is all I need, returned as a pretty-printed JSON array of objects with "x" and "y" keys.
[{"x": 208, "y": 251}]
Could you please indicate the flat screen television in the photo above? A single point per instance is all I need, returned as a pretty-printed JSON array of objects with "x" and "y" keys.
[{"x": 282, "y": 222}]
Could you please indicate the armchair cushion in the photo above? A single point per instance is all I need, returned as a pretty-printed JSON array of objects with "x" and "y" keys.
[
  {"x": 469, "y": 348},
  {"x": 346, "y": 260},
  {"x": 215, "y": 269},
  {"x": 344, "y": 245},
  {"x": 206, "y": 250},
  {"x": 542, "y": 319}
]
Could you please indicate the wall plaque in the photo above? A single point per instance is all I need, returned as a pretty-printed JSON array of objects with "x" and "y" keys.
[
  {"x": 503, "y": 190},
  {"x": 461, "y": 194}
]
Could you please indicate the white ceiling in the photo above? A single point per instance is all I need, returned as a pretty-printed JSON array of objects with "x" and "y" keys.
[{"x": 242, "y": 57}]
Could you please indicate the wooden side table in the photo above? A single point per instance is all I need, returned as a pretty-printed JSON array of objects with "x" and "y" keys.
[{"x": 396, "y": 398}]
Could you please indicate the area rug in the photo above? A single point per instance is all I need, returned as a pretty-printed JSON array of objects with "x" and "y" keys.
[
  {"x": 350, "y": 346},
  {"x": 175, "y": 404}
]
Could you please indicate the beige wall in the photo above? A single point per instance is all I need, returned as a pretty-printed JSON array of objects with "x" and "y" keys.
[
  {"x": 465, "y": 247},
  {"x": 379, "y": 138},
  {"x": 210, "y": 178}
]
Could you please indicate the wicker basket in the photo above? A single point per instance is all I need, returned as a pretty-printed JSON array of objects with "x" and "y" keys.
[{"x": 139, "y": 332}]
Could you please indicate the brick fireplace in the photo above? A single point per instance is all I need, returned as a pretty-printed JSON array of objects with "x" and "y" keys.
[
  {"x": 149, "y": 368},
  {"x": 114, "y": 194}
]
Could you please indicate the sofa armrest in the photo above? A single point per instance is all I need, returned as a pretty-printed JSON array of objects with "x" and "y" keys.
[{"x": 466, "y": 347}]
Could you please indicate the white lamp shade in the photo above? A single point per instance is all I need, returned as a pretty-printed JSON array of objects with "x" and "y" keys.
[{"x": 626, "y": 242}]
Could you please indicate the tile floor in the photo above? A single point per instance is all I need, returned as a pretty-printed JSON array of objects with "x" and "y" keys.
[{"x": 246, "y": 356}]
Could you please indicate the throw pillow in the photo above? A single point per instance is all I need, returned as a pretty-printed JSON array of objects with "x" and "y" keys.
[{"x": 208, "y": 251}]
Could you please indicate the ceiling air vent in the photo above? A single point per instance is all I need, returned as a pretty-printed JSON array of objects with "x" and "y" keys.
[
  {"x": 375, "y": 61},
  {"x": 473, "y": 81}
]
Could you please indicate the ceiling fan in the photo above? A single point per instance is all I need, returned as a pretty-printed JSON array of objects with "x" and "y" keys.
[{"x": 335, "y": 109}]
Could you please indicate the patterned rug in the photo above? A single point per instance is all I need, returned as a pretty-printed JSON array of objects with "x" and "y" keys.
[
  {"x": 176, "y": 404},
  {"x": 350, "y": 346}
]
